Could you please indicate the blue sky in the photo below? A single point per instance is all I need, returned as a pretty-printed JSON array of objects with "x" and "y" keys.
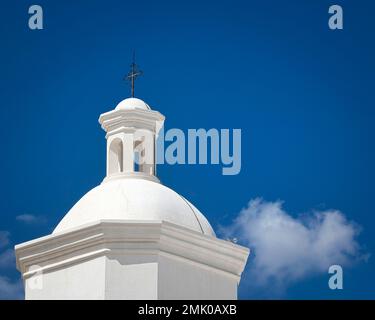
[{"x": 301, "y": 93}]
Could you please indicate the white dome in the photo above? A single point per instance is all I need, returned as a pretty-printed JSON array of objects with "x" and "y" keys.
[
  {"x": 134, "y": 199},
  {"x": 132, "y": 103}
]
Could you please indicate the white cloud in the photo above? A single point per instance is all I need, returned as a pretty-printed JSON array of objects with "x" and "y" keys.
[
  {"x": 7, "y": 259},
  {"x": 30, "y": 218},
  {"x": 11, "y": 289},
  {"x": 288, "y": 249},
  {"x": 4, "y": 238}
]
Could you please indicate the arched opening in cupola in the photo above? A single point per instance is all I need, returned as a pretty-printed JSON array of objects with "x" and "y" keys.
[{"x": 115, "y": 156}]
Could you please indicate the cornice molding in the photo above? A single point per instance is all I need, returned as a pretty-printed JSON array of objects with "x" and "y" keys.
[
  {"x": 113, "y": 121},
  {"x": 113, "y": 238}
]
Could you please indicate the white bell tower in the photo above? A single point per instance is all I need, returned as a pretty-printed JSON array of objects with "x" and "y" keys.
[
  {"x": 131, "y": 237},
  {"x": 132, "y": 130}
]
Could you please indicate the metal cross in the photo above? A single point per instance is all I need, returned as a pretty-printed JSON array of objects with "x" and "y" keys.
[{"x": 133, "y": 74}]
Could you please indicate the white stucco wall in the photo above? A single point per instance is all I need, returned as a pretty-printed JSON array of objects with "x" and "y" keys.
[
  {"x": 198, "y": 282},
  {"x": 79, "y": 281},
  {"x": 133, "y": 277}
]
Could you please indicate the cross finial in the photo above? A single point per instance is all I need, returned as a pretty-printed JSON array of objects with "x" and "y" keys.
[{"x": 133, "y": 74}]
